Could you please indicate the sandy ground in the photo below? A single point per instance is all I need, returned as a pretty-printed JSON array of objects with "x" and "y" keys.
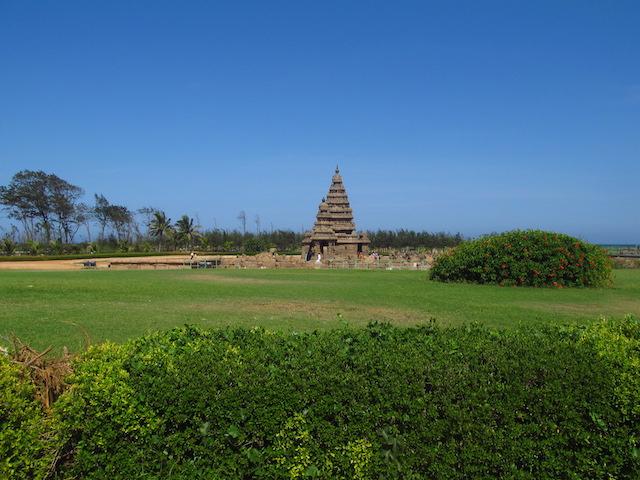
[{"x": 77, "y": 263}]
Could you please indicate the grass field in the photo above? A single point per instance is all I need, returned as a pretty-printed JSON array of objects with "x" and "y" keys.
[{"x": 55, "y": 308}]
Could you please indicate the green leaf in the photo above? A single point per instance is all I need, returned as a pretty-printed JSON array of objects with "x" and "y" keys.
[{"x": 233, "y": 431}]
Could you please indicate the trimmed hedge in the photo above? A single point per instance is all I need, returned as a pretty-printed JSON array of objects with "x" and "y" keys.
[
  {"x": 381, "y": 402},
  {"x": 528, "y": 258},
  {"x": 26, "y": 437}
]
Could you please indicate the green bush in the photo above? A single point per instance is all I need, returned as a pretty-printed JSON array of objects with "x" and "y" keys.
[
  {"x": 26, "y": 439},
  {"x": 7, "y": 246},
  {"x": 381, "y": 402},
  {"x": 255, "y": 245},
  {"x": 525, "y": 257},
  {"x": 618, "y": 342}
]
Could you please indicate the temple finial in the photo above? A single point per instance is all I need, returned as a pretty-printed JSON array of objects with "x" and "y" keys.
[{"x": 337, "y": 169}]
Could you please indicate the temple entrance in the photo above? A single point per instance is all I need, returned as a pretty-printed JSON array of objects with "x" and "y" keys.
[{"x": 323, "y": 249}]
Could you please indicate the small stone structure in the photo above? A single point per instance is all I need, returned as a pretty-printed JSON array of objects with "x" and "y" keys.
[{"x": 334, "y": 234}]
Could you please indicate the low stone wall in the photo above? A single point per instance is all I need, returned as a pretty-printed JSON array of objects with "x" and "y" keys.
[
  {"x": 262, "y": 260},
  {"x": 274, "y": 260},
  {"x": 625, "y": 262},
  {"x": 380, "y": 263}
]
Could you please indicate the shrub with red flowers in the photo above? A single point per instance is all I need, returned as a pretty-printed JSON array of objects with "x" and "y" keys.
[{"x": 525, "y": 257}]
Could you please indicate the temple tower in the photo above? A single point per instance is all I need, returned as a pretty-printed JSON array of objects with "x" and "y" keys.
[{"x": 334, "y": 233}]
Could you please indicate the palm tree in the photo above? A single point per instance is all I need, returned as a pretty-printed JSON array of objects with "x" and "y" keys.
[
  {"x": 187, "y": 230},
  {"x": 159, "y": 227}
]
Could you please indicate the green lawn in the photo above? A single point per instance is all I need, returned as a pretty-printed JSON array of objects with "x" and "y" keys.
[{"x": 55, "y": 308}]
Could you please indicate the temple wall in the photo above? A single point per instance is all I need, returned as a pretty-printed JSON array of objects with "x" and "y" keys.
[
  {"x": 345, "y": 251},
  {"x": 348, "y": 250}
]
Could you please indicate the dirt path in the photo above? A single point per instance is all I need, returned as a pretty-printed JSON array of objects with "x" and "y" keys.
[{"x": 76, "y": 264}]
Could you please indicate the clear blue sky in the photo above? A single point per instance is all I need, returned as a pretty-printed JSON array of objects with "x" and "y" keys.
[{"x": 470, "y": 116}]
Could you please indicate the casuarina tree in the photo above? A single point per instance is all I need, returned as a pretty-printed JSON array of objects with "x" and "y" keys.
[{"x": 39, "y": 200}]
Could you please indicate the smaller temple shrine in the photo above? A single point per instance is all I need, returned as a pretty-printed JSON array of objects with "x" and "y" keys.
[{"x": 334, "y": 234}]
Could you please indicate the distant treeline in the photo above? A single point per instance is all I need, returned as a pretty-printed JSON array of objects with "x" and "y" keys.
[
  {"x": 48, "y": 214},
  {"x": 288, "y": 240},
  {"x": 411, "y": 239},
  {"x": 236, "y": 241},
  {"x": 221, "y": 241}
]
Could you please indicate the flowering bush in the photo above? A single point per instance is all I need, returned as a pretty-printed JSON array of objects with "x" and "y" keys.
[{"x": 528, "y": 258}]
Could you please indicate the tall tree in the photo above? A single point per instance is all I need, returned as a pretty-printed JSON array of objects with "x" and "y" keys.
[
  {"x": 38, "y": 199},
  {"x": 83, "y": 217},
  {"x": 63, "y": 198},
  {"x": 147, "y": 214},
  {"x": 25, "y": 198},
  {"x": 101, "y": 212},
  {"x": 187, "y": 230},
  {"x": 120, "y": 219},
  {"x": 242, "y": 216},
  {"x": 160, "y": 227}
]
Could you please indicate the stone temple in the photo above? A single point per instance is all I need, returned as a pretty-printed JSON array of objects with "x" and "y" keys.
[{"x": 334, "y": 234}]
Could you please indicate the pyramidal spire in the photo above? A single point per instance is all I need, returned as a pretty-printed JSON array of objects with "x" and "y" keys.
[{"x": 334, "y": 232}]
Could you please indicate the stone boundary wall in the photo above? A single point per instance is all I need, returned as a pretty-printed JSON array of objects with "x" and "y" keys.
[
  {"x": 262, "y": 260},
  {"x": 274, "y": 260}
]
